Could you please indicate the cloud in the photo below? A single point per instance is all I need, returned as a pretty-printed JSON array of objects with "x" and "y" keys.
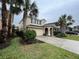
[{"x": 53, "y": 9}]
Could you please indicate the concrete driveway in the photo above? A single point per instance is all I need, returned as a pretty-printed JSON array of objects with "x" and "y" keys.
[{"x": 70, "y": 45}]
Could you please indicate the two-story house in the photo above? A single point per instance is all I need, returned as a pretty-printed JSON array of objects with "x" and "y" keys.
[{"x": 39, "y": 25}]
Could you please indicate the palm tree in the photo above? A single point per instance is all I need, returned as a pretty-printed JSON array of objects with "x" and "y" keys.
[
  {"x": 13, "y": 10},
  {"x": 4, "y": 20},
  {"x": 64, "y": 21},
  {"x": 33, "y": 11},
  {"x": 70, "y": 20},
  {"x": 26, "y": 8}
]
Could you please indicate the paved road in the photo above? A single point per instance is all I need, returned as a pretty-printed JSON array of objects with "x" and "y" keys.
[{"x": 70, "y": 45}]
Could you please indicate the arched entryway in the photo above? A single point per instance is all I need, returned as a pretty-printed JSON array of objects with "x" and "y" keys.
[
  {"x": 51, "y": 31},
  {"x": 46, "y": 31}
]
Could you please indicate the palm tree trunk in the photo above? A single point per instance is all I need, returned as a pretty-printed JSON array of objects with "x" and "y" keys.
[
  {"x": 62, "y": 29},
  {"x": 9, "y": 25},
  {"x": 11, "y": 18},
  {"x": 4, "y": 20},
  {"x": 24, "y": 20}
]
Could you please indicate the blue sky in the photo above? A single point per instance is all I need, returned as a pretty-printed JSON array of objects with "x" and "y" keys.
[{"x": 51, "y": 10}]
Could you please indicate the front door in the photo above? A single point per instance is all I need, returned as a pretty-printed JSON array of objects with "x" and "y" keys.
[{"x": 46, "y": 31}]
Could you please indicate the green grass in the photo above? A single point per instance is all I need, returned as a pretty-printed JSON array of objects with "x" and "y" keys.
[
  {"x": 35, "y": 51},
  {"x": 72, "y": 37}
]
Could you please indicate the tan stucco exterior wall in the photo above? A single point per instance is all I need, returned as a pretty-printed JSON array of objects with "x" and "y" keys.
[
  {"x": 28, "y": 21},
  {"x": 39, "y": 31}
]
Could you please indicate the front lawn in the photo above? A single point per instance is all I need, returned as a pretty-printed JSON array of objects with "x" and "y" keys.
[
  {"x": 35, "y": 51},
  {"x": 72, "y": 37}
]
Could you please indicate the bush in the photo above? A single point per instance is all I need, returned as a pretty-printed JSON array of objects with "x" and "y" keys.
[
  {"x": 27, "y": 36},
  {"x": 72, "y": 33},
  {"x": 1, "y": 37},
  {"x": 61, "y": 35},
  {"x": 20, "y": 34},
  {"x": 56, "y": 32},
  {"x": 30, "y": 34}
]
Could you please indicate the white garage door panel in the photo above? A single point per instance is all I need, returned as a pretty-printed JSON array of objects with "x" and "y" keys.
[{"x": 39, "y": 32}]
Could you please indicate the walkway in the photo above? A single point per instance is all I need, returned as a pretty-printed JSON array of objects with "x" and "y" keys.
[{"x": 70, "y": 45}]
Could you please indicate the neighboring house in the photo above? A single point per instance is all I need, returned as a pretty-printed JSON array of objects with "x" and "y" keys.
[{"x": 39, "y": 26}]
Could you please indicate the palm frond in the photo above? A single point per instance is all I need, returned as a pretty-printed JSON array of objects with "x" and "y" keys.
[
  {"x": 33, "y": 6},
  {"x": 69, "y": 18},
  {"x": 34, "y": 9},
  {"x": 63, "y": 16},
  {"x": 27, "y": 5},
  {"x": 70, "y": 23},
  {"x": 19, "y": 2},
  {"x": 15, "y": 10}
]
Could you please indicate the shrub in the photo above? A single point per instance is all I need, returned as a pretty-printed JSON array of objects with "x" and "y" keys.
[
  {"x": 1, "y": 39},
  {"x": 20, "y": 34},
  {"x": 61, "y": 35},
  {"x": 27, "y": 36},
  {"x": 72, "y": 33},
  {"x": 30, "y": 34},
  {"x": 56, "y": 32}
]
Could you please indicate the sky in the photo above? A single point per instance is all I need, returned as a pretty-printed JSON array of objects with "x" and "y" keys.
[{"x": 51, "y": 10}]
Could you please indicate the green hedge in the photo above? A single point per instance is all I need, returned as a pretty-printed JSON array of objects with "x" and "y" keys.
[
  {"x": 30, "y": 34},
  {"x": 56, "y": 32},
  {"x": 61, "y": 35}
]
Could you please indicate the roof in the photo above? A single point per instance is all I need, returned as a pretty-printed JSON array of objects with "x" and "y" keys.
[
  {"x": 76, "y": 26},
  {"x": 50, "y": 24},
  {"x": 35, "y": 25}
]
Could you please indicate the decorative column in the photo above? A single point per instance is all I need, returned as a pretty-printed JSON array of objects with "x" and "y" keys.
[
  {"x": 52, "y": 31},
  {"x": 49, "y": 31}
]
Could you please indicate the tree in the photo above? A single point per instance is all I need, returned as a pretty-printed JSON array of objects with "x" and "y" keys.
[
  {"x": 6, "y": 25},
  {"x": 26, "y": 8},
  {"x": 13, "y": 10},
  {"x": 70, "y": 21},
  {"x": 64, "y": 21},
  {"x": 4, "y": 20},
  {"x": 33, "y": 11}
]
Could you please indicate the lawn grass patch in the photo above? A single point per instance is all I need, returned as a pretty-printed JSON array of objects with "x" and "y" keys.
[
  {"x": 72, "y": 37},
  {"x": 35, "y": 51}
]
